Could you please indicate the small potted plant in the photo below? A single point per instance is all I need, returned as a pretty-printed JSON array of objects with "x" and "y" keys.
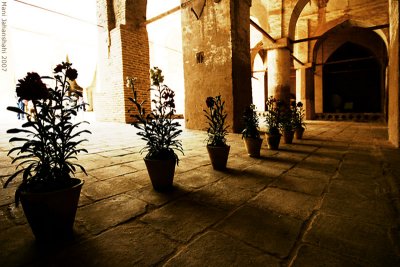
[
  {"x": 217, "y": 148},
  {"x": 287, "y": 123},
  {"x": 298, "y": 120},
  {"x": 47, "y": 155},
  {"x": 250, "y": 133},
  {"x": 159, "y": 130},
  {"x": 273, "y": 119}
]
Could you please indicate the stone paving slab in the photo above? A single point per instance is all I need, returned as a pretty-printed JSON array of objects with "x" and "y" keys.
[
  {"x": 273, "y": 233},
  {"x": 104, "y": 214},
  {"x": 132, "y": 244},
  {"x": 222, "y": 195},
  {"x": 110, "y": 187},
  {"x": 182, "y": 219},
  {"x": 350, "y": 237},
  {"x": 326, "y": 200},
  {"x": 295, "y": 204},
  {"x": 313, "y": 187},
  {"x": 311, "y": 256},
  {"x": 219, "y": 250}
]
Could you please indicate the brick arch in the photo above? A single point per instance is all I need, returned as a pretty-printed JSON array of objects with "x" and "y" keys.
[
  {"x": 344, "y": 23},
  {"x": 298, "y": 8},
  {"x": 333, "y": 35}
]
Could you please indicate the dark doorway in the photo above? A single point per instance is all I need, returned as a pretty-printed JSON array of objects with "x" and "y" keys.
[{"x": 352, "y": 81}]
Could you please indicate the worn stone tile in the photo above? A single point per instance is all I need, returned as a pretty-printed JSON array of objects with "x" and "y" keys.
[
  {"x": 271, "y": 232},
  {"x": 190, "y": 163},
  {"x": 311, "y": 256},
  {"x": 149, "y": 195},
  {"x": 354, "y": 189},
  {"x": 131, "y": 244},
  {"x": 183, "y": 219},
  {"x": 248, "y": 180},
  {"x": 322, "y": 162},
  {"x": 266, "y": 169},
  {"x": 104, "y": 173},
  {"x": 17, "y": 246},
  {"x": 104, "y": 214},
  {"x": 376, "y": 210},
  {"x": 199, "y": 177},
  {"x": 286, "y": 202},
  {"x": 7, "y": 195},
  {"x": 217, "y": 249},
  {"x": 109, "y": 187},
  {"x": 353, "y": 238},
  {"x": 222, "y": 195},
  {"x": 310, "y": 173},
  {"x": 308, "y": 186}
]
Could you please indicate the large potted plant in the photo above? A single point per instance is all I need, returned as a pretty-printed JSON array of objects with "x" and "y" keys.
[
  {"x": 160, "y": 131},
  {"x": 217, "y": 148},
  {"x": 47, "y": 154},
  {"x": 250, "y": 133},
  {"x": 273, "y": 119},
  {"x": 298, "y": 120}
]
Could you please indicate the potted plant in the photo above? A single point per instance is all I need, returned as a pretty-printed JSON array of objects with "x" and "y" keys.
[
  {"x": 298, "y": 120},
  {"x": 273, "y": 119},
  {"x": 287, "y": 123},
  {"x": 159, "y": 130},
  {"x": 47, "y": 155},
  {"x": 250, "y": 133},
  {"x": 217, "y": 148}
]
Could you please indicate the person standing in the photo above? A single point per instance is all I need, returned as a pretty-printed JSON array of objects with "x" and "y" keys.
[{"x": 21, "y": 106}]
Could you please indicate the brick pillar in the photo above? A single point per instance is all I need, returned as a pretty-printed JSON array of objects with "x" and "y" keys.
[
  {"x": 216, "y": 59},
  {"x": 278, "y": 62},
  {"x": 123, "y": 51}
]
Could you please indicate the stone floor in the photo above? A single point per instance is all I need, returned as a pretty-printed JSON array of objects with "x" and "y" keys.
[{"x": 330, "y": 199}]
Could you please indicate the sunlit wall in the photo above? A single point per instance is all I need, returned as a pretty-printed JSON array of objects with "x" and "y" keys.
[{"x": 41, "y": 33}]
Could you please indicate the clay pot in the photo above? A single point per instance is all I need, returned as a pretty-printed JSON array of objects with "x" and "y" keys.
[
  {"x": 218, "y": 156},
  {"x": 299, "y": 133},
  {"x": 51, "y": 215},
  {"x": 288, "y": 137},
  {"x": 273, "y": 141},
  {"x": 253, "y": 146},
  {"x": 161, "y": 173}
]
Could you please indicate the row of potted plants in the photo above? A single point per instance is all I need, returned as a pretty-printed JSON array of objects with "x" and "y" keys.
[{"x": 47, "y": 156}]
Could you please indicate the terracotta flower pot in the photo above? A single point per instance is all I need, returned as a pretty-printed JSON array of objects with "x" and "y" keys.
[
  {"x": 299, "y": 133},
  {"x": 273, "y": 141},
  {"x": 51, "y": 215},
  {"x": 218, "y": 156},
  {"x": 161, "y": 173},
  {"x": 288, "y": 137},
  {"x": 253, "y": 146}
]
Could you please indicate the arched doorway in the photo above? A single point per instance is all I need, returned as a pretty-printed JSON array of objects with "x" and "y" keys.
[{"x": 352, "y": 81}]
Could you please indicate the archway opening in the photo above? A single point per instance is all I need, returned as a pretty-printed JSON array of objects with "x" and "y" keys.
[{"x": 352, "y": 81}]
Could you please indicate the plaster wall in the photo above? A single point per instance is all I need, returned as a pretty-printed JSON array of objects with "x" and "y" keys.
[
  {"x": 225, "y": 65},
  {"x": 393, "y": 80}
]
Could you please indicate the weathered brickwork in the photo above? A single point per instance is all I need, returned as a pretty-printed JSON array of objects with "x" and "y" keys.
[
  {"x": 124, "y": 51},
  {"x": 217, "y": 57}
]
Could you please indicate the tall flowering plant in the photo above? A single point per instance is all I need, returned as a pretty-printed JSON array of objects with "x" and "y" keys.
[
  {"x": 157, "y": 127},
  {"x": 250, "y": 119},
  {"x": 47, "y": 155},
  {"x": 216, "y": 117},
  {"x": 274, "y": 114},
  {"x": 298, "y": 115}
]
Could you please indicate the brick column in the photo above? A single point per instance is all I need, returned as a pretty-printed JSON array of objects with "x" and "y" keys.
[
  {"x": 123, "y": 51},
  {"x": 216, "y": 60}
]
